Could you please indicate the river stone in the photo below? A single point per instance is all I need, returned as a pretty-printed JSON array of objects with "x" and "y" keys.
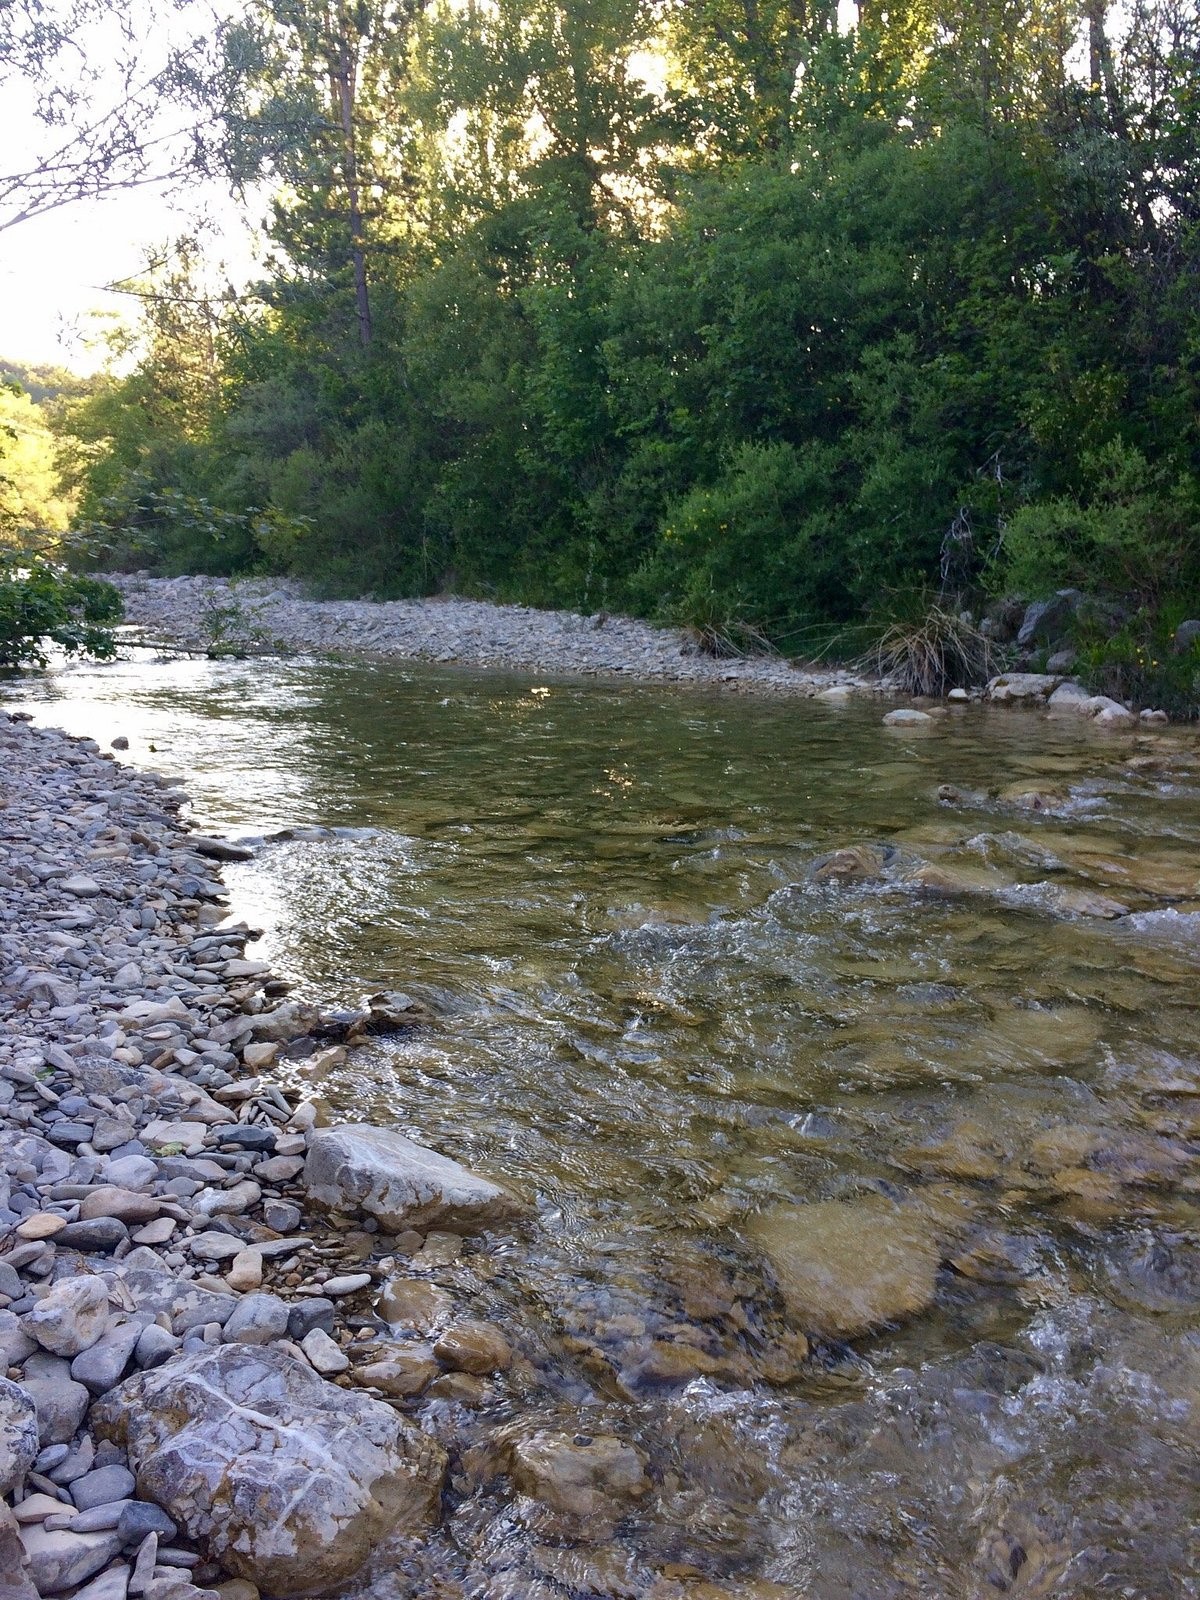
[
  {"x": 404, "y": 1185},
  {"x": 279, "y": 1476},
  {"x": 399, "y": 1370},
  {"x": 70, "y": 1317},
  {"x": 15, "y": 1583},
  {"x": 1030, "y": 688},
  {"x": 18, "y": 1435},
  {"x": 477, "y": 1347},
  {"x": 581, "y": 1474},
  {"x": 59, "y": 1560},
  {"x": 907, "y": 717},
  {"x": 847, "y": 1266}
]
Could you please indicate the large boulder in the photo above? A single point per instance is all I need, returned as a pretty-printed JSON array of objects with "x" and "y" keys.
[
  {"x": 280, "y": 1477},
  {"x": 1047, "y": 619},
  {"x": 844, "y": 1267},
  {"x": 355, "y": 1167}
]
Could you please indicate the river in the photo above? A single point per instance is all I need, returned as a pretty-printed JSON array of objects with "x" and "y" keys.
[{"x": 666, "y": 1014}]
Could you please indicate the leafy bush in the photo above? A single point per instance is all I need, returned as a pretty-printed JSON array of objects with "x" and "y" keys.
[
  {"x": 1140, "y": 664},
  {"x": 40, "y": 602}
]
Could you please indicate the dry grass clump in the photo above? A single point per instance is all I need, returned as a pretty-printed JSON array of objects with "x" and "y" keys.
[{"x": 936, "y": 652}]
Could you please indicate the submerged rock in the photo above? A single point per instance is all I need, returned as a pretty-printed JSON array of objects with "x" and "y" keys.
[
  {"x": 844, "y": 1267},
  {"x": 403, "y": 1184},
  {"x": 279, "y": 1476},
  {"x": 584, "y": 1475}
]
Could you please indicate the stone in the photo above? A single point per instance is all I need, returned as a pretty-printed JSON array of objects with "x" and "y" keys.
[
  {"x": 141, "y": 1517},
  {"x": 281, "y": 1215},
  {"x": 580, "y": 1474},
  {"x": 41, "y": 1225},
  {"x": 246, "y": 1271},
  {"x": 350, "y": 1283},
  {"x": 414, "y": 1303},
  {"x": 59, "y": 1559},
  {"x": 102, "y": 1486},
  {"x": 80, "y": 885},
  {"x": 18, "y": 1435},
  {"x": 219, "y": 849},
  {"x": 844, "y": 1267},
  {"x": 104, "y": 1364},
  {"x": 98, "y": 1233},
  {"x": 155, "y": 1345},
  {"x": 260, "y": 1053},
  {"x": 156, "y": 1232},
  {"x": 315, "y": 1312},
  {"x": 401, "y": 1183},
  {"x": 110, "y": 1585},
  {"x": 1046, "y": 619},
  {"x": 477, "y": 1347},
  {"x": 399, "y": 1370},
  {"x": 324, "y": 1353},
  {"x": 279, "y": 1477},
  {"x": 257, "y": 1319},
  {"x": 907, "y": 717},
  {"x": 70, "y": 1317},
  {"x": 1017, "y": 688},
  {"x": 129, "y": 1205},
  {"x": 61, "y": 1407},
  {"x": 1186, "y": 635}
]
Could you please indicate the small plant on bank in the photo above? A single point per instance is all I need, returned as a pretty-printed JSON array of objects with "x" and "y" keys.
[
  {"x": 1140, "y": 663},
  {"x": 936, "y": 651},
  {"x": 41, "y": 603}
]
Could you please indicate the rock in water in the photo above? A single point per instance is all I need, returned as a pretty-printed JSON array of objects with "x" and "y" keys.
[
  {"x": 404, "y": 1185},
  {"x": 281, "y": 1477},
  {"x": 847, "y": 1266}
]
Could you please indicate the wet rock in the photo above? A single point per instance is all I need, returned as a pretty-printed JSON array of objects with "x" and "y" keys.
[
  {"x": 413, "y": 1303},
  {"x": 1022, "y": 688},
  {"x": 476, "y": 1347},
  {"x": 853, "y": 861},
  {"x": 280, "y": 1477},
  {"x": 219, "y": 849},
  {"x": 18, "y": 1435},
  {"x": 402, "y": 1184},
  {"x": 580, "y": 1474},
  {"x": 845, "y": 1267},
  {"x": 907, "y": 717},
  {"x": 399, "y": 1370}
]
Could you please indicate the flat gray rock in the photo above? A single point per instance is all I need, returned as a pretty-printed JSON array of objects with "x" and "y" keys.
[
  {"x": 18, "y": 1435},
  {"x": 356, "y": 1167}
]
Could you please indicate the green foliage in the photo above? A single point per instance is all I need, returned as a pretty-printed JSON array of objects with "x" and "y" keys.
[
  {"x": 41, "y": 603},
  {"x": 1139, "y": 663},
  {"x": 814, "y": 319}
]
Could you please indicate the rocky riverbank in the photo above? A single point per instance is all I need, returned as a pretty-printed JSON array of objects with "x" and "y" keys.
[
  {"x": 272, "y": 615},
  {"x": 214, "y": 1311}
]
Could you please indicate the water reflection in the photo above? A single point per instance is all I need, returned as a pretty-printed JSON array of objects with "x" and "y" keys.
[{"x": 659, "y": 1014}]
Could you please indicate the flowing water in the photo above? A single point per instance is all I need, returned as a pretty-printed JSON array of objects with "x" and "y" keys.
[{"x": 665, "y": 1012}]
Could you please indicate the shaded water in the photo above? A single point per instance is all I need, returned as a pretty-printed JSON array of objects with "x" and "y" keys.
[{"x": 662, "y": 1016}]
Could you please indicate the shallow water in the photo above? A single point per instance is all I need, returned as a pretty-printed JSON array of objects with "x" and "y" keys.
[{"x": 662, "y": 1016}]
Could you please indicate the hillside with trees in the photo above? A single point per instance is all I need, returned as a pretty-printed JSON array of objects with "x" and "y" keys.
[{"x": 724, "y": 312}]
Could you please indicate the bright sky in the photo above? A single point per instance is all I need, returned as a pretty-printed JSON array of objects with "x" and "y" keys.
[{"x": 55, "y": 269}]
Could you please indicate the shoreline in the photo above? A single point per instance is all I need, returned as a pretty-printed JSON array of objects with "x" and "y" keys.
[
  {"x": 184, "y": 1247},
  {"x": 271, "y": 616}
]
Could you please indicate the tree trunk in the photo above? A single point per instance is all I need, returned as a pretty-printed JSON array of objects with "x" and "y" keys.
[{"x": 342, "y": 83}]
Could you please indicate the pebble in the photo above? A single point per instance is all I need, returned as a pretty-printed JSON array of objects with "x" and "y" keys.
[{"x": 350, "y": 1284}]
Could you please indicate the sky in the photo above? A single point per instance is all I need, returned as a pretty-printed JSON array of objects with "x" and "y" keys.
[{"x": 56, "y": 269}]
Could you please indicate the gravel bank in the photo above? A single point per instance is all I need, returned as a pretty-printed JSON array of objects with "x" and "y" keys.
[
  {"x": 215, "y": 1313},
  {"x": 273, "y": 615}
]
